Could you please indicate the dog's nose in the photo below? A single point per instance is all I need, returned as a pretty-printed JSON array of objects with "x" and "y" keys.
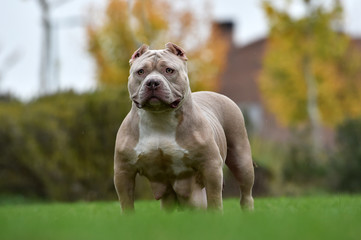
[{"x": 152, "y": 83}]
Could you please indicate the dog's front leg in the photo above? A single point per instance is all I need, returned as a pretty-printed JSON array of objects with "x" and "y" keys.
[
  {"x": 213, "y": 181},
  {"x": 124, "y": 181}
]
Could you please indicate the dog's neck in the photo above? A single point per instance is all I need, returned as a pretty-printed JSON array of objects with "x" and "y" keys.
[{"x": 161, "y": 121}]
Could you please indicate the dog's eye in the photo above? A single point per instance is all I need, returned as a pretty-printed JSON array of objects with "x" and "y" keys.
[
  {"x": 169, "y": 70},
  {"x": 140, "y": 72}
]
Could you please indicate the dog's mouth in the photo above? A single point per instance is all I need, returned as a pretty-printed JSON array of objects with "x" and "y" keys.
[
  {"x": 138, "y": 104},
  {"x": 154, "y": 101},
  {"x": 176, "y": 103}
]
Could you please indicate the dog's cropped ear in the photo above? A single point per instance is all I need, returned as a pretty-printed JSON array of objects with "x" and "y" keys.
[
  {"x": 139, "y": 53},
  {"x": 176, "y": 50}
]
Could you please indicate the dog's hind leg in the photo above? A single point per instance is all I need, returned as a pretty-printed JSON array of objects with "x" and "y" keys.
[
  {"x": 190, "y": 193},
  {"x": 239, "y": 161},
  {"x": 244, "y": 173}
]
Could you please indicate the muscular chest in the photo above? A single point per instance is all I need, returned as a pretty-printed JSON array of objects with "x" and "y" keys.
[{"x": 159, "y": 156}]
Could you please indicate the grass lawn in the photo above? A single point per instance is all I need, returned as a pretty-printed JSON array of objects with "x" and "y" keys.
[{"x": 326, "y": 217}]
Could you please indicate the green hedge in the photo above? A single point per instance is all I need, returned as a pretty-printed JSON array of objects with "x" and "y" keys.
[
  {"x": 346, "y": 163},
  {"x": 60, "y": 147}
]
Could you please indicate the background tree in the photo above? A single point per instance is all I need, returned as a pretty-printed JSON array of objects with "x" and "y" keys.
[
  {"x": 125, "y": 26},
  {"x": 311, "y": 74}
]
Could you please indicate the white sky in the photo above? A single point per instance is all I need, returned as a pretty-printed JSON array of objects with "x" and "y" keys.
[{"x": 20, "y": 30}]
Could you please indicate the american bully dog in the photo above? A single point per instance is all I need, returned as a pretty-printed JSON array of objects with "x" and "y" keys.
[{"x": 177, "y": 139}]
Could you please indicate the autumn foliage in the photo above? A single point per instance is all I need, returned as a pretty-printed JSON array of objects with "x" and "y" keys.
[
  {"x": 310, "y": 46},
  {"x": 126, "y": 26}
]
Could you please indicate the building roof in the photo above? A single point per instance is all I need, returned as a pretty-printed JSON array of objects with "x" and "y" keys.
[{"x": 239, "y": 80}]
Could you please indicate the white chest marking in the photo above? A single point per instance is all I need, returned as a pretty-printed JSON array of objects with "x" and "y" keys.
[{"x": 157, "y": 133}]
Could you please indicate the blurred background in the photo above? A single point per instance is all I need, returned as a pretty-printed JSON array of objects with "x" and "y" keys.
[{"x": 293, "y": 67}]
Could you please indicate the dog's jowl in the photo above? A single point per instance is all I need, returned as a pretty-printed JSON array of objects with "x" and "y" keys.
[{"x": 177, "y": 139}]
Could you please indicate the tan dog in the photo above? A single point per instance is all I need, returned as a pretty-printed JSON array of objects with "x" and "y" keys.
[{"x": 177, "y": 139}]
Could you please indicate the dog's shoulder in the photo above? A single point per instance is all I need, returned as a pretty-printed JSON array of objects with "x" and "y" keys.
[{"x": 128, "y": 133}]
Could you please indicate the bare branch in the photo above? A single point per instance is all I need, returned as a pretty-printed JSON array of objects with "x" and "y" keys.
[
  {"x": 12, "y": 59},
  {"x": 74, "y": 21},
  {"x": 9, "y": 62},
  {"x": 58, "y": 3}
]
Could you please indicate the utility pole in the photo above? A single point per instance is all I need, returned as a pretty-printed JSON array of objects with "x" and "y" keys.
[
  {"x": 46, "y": 46},
  {"x": 48, "y": 66}
]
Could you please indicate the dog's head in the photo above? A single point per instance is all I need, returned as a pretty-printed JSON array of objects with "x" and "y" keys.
[{"x": 158, "y": 79}]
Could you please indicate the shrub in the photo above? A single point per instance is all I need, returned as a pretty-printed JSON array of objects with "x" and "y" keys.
[
  {"x": 346, "y": 165},
  {"x": 60, "y": 147}
]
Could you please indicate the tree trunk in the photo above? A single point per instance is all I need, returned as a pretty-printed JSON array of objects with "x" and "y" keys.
[
  {"x": 312, "y": 105},
  {"x": 311, "y": 86}
]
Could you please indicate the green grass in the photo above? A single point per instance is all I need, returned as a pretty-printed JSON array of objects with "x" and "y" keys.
[{"x": 326, "y": 217}]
